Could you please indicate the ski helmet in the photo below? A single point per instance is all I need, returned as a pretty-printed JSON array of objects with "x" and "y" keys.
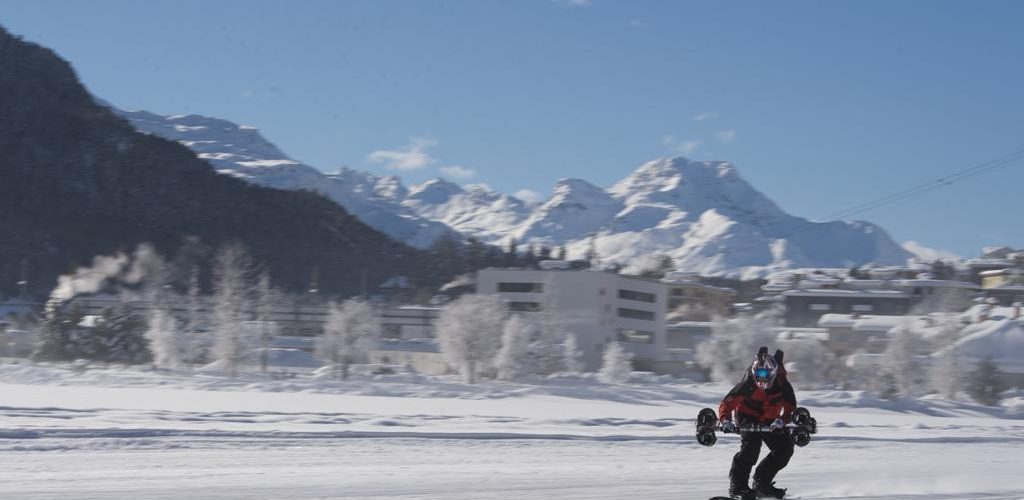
[{"x": 764, "y": 370}]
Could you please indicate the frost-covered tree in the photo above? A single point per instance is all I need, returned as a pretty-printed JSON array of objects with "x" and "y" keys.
[
  {"x": 616, "y": 365},
  {"x": 193, "y": 319},
  {"x": 469, "y": 330},
  {"x": 734, "y": 342},
  {"x": 572, "y": 355},
  {"x": 946, "y": 375},
  {"x": 167, "y": 341},
  {"x": 351, "y": 330},
  {"x": 902, "y": 362},
  {"x": 232, "y": 272},
  {"x": 809, "y": 362},
  {"x": 986, "y": 383},
  {"x": 266, "y": 298},
  {"x": 512, "y": 362}
]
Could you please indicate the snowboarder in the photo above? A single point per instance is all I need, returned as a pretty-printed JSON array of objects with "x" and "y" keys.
[{"x": 764, "y": 396}]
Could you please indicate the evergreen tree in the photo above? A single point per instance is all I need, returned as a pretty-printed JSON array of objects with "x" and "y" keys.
[
  {"x": 54, "y": 334},
  {"x": 562, "y": 253},
  {"x": 512, "y": 255},
  {"x": 121, "y": 336},
  {"x": 475, "y": 252},
  {"x": 986, "y": 382}
]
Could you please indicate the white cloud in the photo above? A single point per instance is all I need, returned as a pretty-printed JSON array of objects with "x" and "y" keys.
[
  {"x": 530, "y": 196},
  {"x": 579, "y": 3},
  {"x": 458, "y": 172},
  {"x": 636, "y": 23},
  {"x": 687, "y": 147},
  {"x": 412, "y": 156},
  {"x": 707, "y": 115},
  {"x": 926, "y": 253},
  {"x": 726, "y": 136}
]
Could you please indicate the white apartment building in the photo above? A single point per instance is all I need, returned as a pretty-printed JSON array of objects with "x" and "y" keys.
[{"x": 598, "y": 307}]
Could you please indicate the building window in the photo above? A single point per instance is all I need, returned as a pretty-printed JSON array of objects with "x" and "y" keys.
[
  {"x": 392, "y": 331},
  {"x": 521, "y": 287},
  {"x": 639, "y": 296},
  {"x": 636, "y": 336},
  {"x": 863, "y": 308},
  {"x": 524, "y": 306},
  {"x": 636, "y": 314},
  {"x": 820, "y": 307}
]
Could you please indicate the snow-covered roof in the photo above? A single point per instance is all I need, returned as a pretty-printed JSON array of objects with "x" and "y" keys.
[
  {"x": 800, "y": 333},
  {"x": 864, "y": 323},
  {"x": 1002, "y": 340},
  {"x": 933, "y": 283},
  {"x": 836, "y": 292}
]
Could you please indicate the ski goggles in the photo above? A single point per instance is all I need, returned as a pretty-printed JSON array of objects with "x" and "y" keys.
[{"x": 762, "y": 374}]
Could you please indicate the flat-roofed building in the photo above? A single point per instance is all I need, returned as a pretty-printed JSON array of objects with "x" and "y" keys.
[{"x": 598, "y": 307}]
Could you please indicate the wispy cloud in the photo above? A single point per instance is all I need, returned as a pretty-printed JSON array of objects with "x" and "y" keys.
[
  {"x": 636, "y": 23},
  {"x": 530, "y": 196},
  {"x": 726, "y": 136},
  {"x": 458, "y": 172},
  {"x": 412, "y": 156},
  {"x": 707, "y": 115},
  {"x": 684, "y": 147}
]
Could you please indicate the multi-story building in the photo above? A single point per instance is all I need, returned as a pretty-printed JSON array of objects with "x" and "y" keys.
[
  {"x": 597, "y": 307},
  {"x": 807, "y": 300}
]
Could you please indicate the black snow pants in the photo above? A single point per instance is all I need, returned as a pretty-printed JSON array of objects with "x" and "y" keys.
[{"x": 781, "y": 446}]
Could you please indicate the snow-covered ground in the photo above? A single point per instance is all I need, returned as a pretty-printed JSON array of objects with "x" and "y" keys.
[{"x": 73, "y": 432}]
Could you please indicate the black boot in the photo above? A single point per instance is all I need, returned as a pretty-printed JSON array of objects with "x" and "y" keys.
[
  {"x": 742, "y": 492},
  {"x": 768, "y": 489}
]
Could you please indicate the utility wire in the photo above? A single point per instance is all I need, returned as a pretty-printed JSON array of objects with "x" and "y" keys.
[{"x": 934, "y": 184}]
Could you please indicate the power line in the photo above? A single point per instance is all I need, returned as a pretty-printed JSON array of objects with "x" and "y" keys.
[{"x": 978, "y": 169}]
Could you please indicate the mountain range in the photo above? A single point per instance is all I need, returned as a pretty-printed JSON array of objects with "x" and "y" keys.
[{"x": 703, "y": 214}]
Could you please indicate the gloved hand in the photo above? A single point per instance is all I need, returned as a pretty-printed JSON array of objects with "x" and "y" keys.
[
  {"x": 728, "y": 426},
  {"x": 778, "y": 425}
]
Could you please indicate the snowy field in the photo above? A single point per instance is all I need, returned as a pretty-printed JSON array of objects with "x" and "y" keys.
[{"x": 127, "y": 433}]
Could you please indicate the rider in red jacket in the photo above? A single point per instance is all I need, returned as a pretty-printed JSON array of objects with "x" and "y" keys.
[{"x": 764, "y": 396}]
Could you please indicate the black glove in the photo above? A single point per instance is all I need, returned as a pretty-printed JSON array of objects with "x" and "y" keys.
[{"x": 728, "y": 426}]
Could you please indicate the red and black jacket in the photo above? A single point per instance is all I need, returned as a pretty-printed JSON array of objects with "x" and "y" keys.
[{"x": 755, "y": 406}]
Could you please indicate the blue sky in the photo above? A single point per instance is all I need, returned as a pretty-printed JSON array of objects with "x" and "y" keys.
[{"x": 821, "y": 105}]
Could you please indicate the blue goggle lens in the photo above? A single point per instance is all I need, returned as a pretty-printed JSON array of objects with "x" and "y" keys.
[{"x": 761, "y": 373}]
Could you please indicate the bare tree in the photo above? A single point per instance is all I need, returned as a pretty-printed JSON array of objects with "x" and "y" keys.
[
  {"x": 350, "y": 332},
  {"x": 469, "y": 330}
]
